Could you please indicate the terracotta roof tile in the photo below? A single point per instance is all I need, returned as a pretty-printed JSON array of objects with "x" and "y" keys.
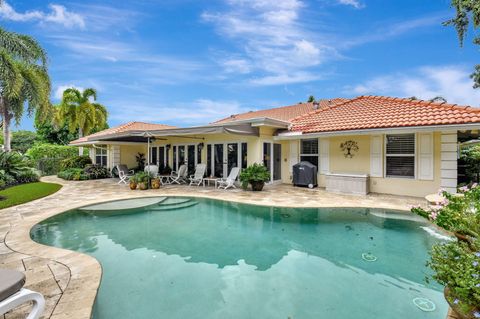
[
  {"x": 367, "y": 112},
  {"x": 283, "y": 113},
  {"x": 123, "y": 128}
]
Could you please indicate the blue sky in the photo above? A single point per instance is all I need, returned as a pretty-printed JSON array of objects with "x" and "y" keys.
[{"x": 185, "y": 62}]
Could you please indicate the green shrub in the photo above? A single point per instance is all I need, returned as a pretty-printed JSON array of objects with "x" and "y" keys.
[
  {"x": 29, "y": 176},
  {"x": 73, "y": 174},
  {"x": 456, "y": 264},
  {"x": 96, "y": 172},
  {"x": 75, "y": 162},
  {"x": 44, "y": 150},
  {"x": 254, "y": 173},
  {"x": 48, "y": 157}
]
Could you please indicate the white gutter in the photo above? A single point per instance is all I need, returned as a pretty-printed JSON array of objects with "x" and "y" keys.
[{"x": 411, "y": 129}]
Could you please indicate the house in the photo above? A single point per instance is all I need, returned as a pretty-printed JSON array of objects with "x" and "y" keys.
[{"x": 391, "y": 145}]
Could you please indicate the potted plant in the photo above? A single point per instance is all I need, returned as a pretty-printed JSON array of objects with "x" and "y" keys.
[
  {"x": 155, "y": 183},
  {"x": 133, "y": 182},
  {"x": 142, "y": 180},
  {"x": 255, "y": 175},
  {"x": 456, "y": 264}
]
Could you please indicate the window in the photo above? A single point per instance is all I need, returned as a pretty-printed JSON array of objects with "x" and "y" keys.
[
  {"x": 400, "y": 155},
  {"x": 101, "y": 156},
  {"x": 153, "y": 155},
  {"x": 309, "y": 151}
]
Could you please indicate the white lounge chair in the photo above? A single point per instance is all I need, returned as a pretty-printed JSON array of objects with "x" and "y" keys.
[
  {"x": 228, "y": 182},
  {"x": 179, "y": 177},
  {"x": 12, "y": 294},
  {"x": 197, "y": 178},
  {"x": 124, "y": 173},
  {"x": 152, "y": 170}
]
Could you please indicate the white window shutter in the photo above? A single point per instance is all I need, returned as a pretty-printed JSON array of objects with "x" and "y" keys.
[
  {"x": 376, "y": 156},
  {"x": 425, "y": 156},
  {"x": 293, "y": 155},
  {"x": 324, "y": 150}
]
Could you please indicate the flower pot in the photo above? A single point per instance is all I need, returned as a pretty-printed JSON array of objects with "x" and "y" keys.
[
  {"x": 133, "y": 186},
  {"x": 155, "y": 183},
  {"x": 143, "y": 186},
  {"x": 455, "y": 307},
  {"x": 257, "y": 186}
]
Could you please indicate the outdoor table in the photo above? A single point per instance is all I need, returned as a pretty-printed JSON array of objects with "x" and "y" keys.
[{"x": 210, "y": 179}]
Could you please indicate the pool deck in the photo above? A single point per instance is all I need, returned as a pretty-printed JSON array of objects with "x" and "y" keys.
[{"x": 70, "y": 280}]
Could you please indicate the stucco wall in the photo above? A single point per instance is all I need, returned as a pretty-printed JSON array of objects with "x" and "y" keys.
[{"x": 128, "y": 153}]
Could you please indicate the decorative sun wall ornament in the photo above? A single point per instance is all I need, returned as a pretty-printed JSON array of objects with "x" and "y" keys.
[{"x": 348, "y": 147}]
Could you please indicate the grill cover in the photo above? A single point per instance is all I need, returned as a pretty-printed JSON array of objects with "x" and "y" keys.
[{"x": 305, "y": 174}]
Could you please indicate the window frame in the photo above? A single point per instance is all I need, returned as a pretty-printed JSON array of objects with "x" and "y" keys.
[
  {"x": 317, "y": 155},
  {"x": 102, "y": 149},
  {"x": 414, "y": 155}
]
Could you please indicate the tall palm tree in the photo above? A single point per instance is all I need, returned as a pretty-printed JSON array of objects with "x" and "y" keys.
[
  {"x": 23, "y": 79},
  {"x": 81, "y": 112}
]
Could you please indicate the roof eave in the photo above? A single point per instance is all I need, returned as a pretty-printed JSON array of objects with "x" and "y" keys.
[{"x": 406, "y": 129}]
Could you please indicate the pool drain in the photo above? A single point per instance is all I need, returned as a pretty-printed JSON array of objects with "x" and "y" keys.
[
  {"x": 369, "y": 257},
  {"x": 424, "y": 304}
]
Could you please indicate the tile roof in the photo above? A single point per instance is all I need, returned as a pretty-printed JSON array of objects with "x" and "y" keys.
[
  {"x": 123, "y": 128},
  {"x": 369, "y": 112},
  {"x": 283, "y": 113}
]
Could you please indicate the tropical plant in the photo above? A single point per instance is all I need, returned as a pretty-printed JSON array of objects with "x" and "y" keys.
[
  {"x": 467, "y": 11},
  {"x": 73, "y": 174},
  {"x": 76, "y": 162},
  {"x": 49, "y": 132},
  {"x": 81, "y": 112},
  {"x": 15, "y": 169},
  {"x": 256, "y": 175},
  {"x": 140, "y": 158},
  {"x": 96, "y": 171},
  {"x": 24, "y": 79},
  {"x": 311, "y": 99},
  {"x": 456, "y": 264}
]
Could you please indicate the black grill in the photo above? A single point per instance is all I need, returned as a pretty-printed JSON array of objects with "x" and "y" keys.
[{"x": 305, "y": 174}]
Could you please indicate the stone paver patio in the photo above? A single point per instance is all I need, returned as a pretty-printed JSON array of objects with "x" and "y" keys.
[{"x": 70, "y": 280}]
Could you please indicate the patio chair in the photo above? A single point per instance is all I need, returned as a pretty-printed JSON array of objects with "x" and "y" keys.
[
  {"x": 228, "y": 182},
  {"x": 12, "y": 294},
  {"x": 197, "y": 178},
  {"x": 124, "y": 173},
  {"x": 152, "y": 170},
  {"x": 179, "y": 177}
]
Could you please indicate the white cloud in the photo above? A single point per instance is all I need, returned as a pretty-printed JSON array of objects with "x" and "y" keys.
[
  {"x": 58, "y": 15},
  {"x": 272, "y": 40},
  {"x": 206, "y": 111},
  {"x": 451, "y": 82},
  {"x": 59, "y": 90},
  {"x": 354, "y": 3}
]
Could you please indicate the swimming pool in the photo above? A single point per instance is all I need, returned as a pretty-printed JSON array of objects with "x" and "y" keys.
[{"x": 177, "y": 257}]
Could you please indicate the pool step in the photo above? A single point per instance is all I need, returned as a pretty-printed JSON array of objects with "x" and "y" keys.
[
  {"x": 174, "y": 201},
  {"x": 181, "y": 205}
]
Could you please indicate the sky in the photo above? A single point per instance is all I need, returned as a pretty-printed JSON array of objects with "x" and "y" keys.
[{"x": 190, "y": 62}]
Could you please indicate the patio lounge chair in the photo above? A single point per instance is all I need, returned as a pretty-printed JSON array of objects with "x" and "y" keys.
[
  {"x": 124, "y": 173},
  {"x": 12, "y": 294},
  {"x": 179, "y": 177},
  {"x": 228, "y": 182},
  {"x": 197, "y": 178},
  {"x": 152, "y": 170}
]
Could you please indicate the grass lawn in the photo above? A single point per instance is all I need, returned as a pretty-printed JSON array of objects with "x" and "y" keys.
[{"x": 26, "y": 192}]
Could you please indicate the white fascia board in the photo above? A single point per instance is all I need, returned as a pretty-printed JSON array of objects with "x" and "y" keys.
[{"x": 410, "y": 129}]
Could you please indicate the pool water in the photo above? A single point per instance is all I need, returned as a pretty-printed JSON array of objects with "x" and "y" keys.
[{"x": 203, "y": 258}]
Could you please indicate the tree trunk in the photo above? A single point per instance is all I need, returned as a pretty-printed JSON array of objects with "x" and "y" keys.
[
  {"x": 6, "y": 125},
  {"x": 80, "y": 135}
]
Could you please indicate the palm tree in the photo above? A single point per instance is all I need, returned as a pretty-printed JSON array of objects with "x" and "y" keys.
[
  {"x": 81, "y": 112},
  {"x": 23, "y": 79}
]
